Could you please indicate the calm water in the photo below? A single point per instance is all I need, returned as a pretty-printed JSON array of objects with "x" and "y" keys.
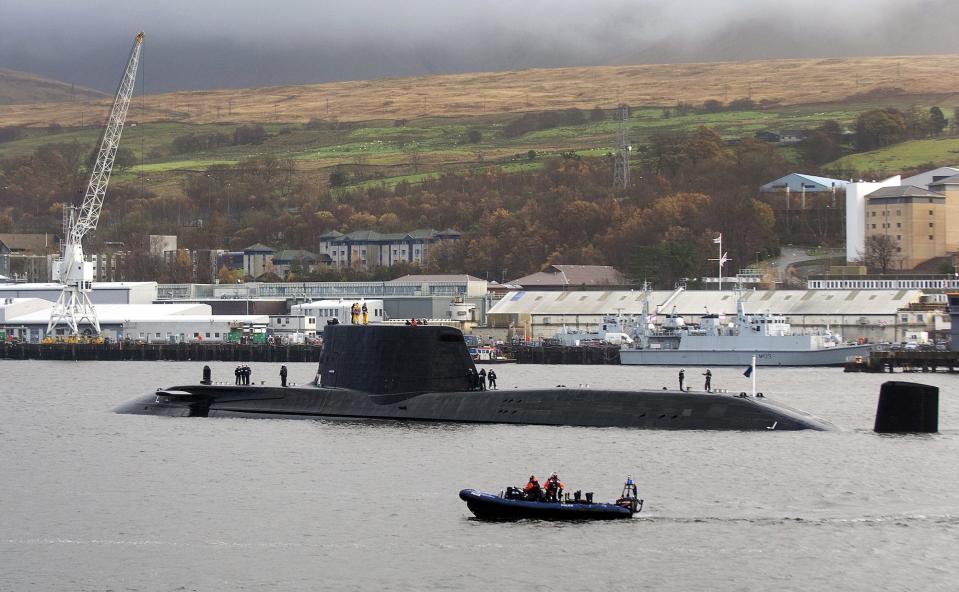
[{"x": 90, "y": 500}]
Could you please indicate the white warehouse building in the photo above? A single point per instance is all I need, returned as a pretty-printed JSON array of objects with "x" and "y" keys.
[
  {"x": 27, "y": 318},
  {"x": 874, "y": 315}
]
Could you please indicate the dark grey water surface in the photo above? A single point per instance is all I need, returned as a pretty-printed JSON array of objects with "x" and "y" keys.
[{"x": 90, "y": 500}]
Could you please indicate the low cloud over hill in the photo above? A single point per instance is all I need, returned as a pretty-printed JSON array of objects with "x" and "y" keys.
[{"x": 231, "y": 44}]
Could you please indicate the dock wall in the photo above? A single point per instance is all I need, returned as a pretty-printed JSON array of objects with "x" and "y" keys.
[{"x": 178, "y": 352}]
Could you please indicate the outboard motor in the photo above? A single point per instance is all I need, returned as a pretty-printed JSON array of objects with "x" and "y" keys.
[
  {"x": 207, "y": 376},
  {"x": 630, "y": 497}
]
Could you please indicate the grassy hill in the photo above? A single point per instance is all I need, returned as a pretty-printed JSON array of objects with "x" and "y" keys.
[
  {"x": 789, "y": 82},
  {"x": 21, "y": 88},
  {"x": 385, "y": 131},
  {"x": 899, "y": 157}
]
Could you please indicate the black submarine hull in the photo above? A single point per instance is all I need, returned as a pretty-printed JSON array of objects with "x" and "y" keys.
[
  {"x": 421, "y": 374},
  {"x": 573, "y": 407}
]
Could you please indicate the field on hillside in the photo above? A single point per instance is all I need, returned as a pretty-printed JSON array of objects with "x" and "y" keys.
[
  {"x": 375, "y": 143},
  {"x": 898, "y": 157},
  {"x": 789, "y": 82},
  {"x": 386, "y": 151},
  {"x": 23, "y": 88}
]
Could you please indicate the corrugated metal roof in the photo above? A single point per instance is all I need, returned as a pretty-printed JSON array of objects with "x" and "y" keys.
[{"x": 698, "y": 302}]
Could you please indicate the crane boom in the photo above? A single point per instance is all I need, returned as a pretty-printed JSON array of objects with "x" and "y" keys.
[
  {"x": 89, "y": 214},
  {"x": 72, "y": 270}
]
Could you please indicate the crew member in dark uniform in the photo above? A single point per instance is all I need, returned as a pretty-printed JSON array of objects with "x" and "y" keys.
[
  {"x": 682, "y": 377},
  {"x": 482, "y": 379},
  {"x": 709, "y": 379},
  {"x": 283, "y": 375},
  {"x": 491, "y": 377},
  {"x": 236, "y": 372}
]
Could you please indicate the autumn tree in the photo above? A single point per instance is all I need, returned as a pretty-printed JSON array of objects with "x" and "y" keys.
[
  {"x": 880, "y": 127},
  {"x": 880, "y": 252},
  {"x": 937, "y": 120}
]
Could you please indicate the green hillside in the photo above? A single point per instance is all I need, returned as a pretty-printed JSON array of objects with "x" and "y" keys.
[
  {"x": 899, "y": 157},
  {"x": 385, "y": 151}
]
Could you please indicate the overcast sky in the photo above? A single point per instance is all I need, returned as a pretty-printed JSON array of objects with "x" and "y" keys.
[{"x": 199, "y": 44}]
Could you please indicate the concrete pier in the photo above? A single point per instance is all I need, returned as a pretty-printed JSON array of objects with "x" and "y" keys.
[{"x": 178, "y": 352}]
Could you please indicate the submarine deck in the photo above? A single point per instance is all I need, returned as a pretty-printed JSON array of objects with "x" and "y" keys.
[{"x": 562, "y": 406}]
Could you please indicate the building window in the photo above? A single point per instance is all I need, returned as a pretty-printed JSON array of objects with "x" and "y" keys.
[
  {"x": 873, "y": 225},
  {"x": 930, "y": 212},
  {"x": 898, "y": 224},
  {"x": 207, "y": 335},
  {"x": 874, "y": 214},
  {"x": 930, "y": 237},
  {"x": 898, "y": 212},
  {"x": 195, "y": 335},
  {"x": 158, "y": 334},
  {"x": 898, "y": 237}
]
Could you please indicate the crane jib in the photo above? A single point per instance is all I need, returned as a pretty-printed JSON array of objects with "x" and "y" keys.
[{"x": 72, "y": 270}]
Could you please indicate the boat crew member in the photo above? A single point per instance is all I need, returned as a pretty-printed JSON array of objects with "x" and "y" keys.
[
  {"x": 247, "y": 371},
  {"x": 471, "y": 378},
  {"x": 682, "y": 377},
  {"x": 366, "y": 313},
  {"x": 491, "y": 377},
  {"x": 482, "y": 379},
  {"x": 532, "y": 490},
  {"x": 236, "y": 373},
  {"x": 709, "y": 379},
  {"x": 283, "y": 375},
  {"x": 554, "y": 487},
  {"x": 354, "y": 313}
]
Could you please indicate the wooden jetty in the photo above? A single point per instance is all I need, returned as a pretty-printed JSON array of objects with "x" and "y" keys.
[
  {"x": 905, "y": 361},
  {"x": 563, "y": 354}
]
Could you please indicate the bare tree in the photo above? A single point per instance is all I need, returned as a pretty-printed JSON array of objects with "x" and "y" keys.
[{"x": 880, "y": 252}]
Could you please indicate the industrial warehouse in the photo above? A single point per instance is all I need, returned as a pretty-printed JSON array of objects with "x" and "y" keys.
[{"x": 874, "y": 315}]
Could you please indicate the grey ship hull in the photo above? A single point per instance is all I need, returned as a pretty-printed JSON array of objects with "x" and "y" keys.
[
  {"x": 832, "y": 356},
  {"x": 670, "y": 410}
]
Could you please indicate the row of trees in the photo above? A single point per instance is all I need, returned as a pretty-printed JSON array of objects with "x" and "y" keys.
[
  {"x": 881, "y": 127},
  {"x": 242, "y": 135}
]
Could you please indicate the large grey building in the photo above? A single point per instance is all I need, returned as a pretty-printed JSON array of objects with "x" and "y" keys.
[{"x": 875, "y": 315}]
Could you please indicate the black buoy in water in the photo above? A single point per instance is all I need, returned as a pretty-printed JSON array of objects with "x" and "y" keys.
[
  {"x": 207, "y": 376},
  {"x": 907, "y": 407}
]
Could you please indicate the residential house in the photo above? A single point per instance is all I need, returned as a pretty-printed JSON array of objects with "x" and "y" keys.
[
  {"x": 292, "y": 260},
  {"x": 366, "y": 249},
  {"x": 257, "y": 260}
]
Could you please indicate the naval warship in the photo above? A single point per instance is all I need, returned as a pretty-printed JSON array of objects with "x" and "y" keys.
[{"x": 423, "y": 373}]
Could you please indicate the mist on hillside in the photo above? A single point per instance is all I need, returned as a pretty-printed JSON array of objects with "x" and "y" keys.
[{"x": 241, "y": 43}]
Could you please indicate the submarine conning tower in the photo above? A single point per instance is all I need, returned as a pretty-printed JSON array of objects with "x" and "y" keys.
[{"x": 386, "y": 359}]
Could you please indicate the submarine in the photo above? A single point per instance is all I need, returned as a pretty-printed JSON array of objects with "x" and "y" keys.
[{"x": 422, "y": 374}]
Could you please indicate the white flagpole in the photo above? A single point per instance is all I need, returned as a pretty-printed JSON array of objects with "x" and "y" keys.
[
  {"x": 720, "y": 241},
  {"x": 753, "y": 375}
]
